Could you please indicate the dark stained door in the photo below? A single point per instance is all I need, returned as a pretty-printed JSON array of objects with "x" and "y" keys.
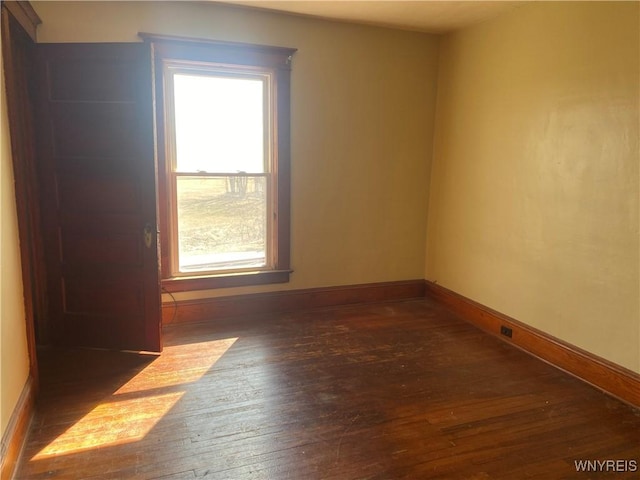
[{"x": 97, "y": 178}]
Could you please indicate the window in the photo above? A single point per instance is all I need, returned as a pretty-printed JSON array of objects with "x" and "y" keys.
[
  {"x": 223, "y": 158},
  {"x": 220, "y": 169}
]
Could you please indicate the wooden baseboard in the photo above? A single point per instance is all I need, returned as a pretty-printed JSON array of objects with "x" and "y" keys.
[
  {"x": 202, "y": 310},
  {"x": 16, "y": 433},
  {"x": 602, "y": 374}
]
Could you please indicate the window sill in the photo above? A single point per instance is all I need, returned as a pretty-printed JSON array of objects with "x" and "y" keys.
[{"x": 185, "y": 284}]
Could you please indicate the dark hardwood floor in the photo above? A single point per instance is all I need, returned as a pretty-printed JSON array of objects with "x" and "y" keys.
[{"x": 385, "y": 391}]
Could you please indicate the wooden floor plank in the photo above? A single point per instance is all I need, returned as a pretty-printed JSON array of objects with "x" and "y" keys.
[{"x": 387, "y": 391}]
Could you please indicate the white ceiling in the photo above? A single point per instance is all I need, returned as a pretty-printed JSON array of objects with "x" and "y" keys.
[{"x": 433, "y": 16}]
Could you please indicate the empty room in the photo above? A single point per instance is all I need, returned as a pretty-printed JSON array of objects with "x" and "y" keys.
[{"x": 320, "y": 240}]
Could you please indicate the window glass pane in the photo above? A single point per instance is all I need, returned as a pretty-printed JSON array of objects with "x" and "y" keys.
[
  {"x": 219, "y": 124},
  {"x": 221, "y": 223}
]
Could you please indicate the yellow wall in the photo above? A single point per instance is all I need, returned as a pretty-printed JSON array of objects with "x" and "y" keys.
[
  {"x": 363, "y": 101},
  {"x": 534, "y": 190},
  {"x": 14, "y": 356}
]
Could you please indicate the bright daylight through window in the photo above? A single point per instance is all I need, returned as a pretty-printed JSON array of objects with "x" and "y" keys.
[
  {"x": 221, "y": 170},
  {"x": 223, "y": 130}
]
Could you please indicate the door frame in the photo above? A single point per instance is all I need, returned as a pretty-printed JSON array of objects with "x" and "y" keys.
[{"x": 19, "y": 23}]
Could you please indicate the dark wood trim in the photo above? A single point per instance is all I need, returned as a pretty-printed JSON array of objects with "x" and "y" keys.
[
  {"x": 210, "y": 309},
  {"x": 187, "y": 284},
  {"x": 25, "y": 15},
  {"x": 18, "y": 57},
  {"x": 15, "y": 435},
  {"x": 602, "y": 374},
  {"x": 204, "y": 49}
]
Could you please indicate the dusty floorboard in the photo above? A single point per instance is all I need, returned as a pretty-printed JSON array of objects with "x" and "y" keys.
[{"x": 386, "y": 391}]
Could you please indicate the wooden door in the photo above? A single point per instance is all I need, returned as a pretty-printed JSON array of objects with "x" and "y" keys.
[{"x": 97, "y": 177}]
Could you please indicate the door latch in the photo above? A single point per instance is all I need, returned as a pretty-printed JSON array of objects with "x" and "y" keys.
[{"x": 148, "y": 235}]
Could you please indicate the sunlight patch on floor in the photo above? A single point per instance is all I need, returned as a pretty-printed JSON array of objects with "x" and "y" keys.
[
  {"x": 121, "y": 419},
  {"x": 178, "y": 364},
  {"x": 112, "y": 423}
]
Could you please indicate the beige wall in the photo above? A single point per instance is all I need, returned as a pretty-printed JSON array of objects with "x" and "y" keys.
[
  {"x": 14, "y": 356},
  {"x": 363, "y": 101},
  {"x": 534, "y": 191}
]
